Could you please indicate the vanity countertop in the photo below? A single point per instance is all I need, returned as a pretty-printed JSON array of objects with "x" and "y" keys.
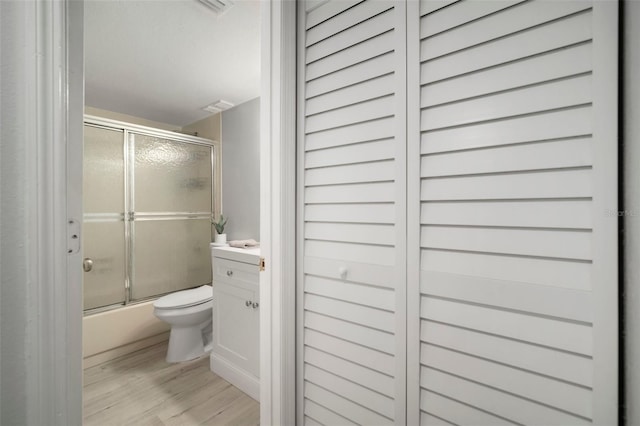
[{"x": 248, "y": 255}]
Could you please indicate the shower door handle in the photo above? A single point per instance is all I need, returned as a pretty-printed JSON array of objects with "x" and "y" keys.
[{"x": 87, "y": 264}]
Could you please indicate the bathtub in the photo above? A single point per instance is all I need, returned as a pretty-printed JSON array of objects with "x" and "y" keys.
[{"x": 111, "y": 334}]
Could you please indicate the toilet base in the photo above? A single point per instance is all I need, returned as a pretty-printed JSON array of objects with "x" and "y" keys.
[{"x": 188, "y": 343}]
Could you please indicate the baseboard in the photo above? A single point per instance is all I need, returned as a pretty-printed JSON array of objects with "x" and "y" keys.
[
  {"x": 114, "y": 353},
  {"x": 244, "y": 381}
]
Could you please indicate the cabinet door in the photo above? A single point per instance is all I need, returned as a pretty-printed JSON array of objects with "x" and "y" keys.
[{"x": 236, "y": 325}]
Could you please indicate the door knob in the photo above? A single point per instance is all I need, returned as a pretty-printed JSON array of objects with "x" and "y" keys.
[{"x": 87, "y": 264}]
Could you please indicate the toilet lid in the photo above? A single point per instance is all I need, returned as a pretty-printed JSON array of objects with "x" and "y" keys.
[{"x": 185, "y": 298}]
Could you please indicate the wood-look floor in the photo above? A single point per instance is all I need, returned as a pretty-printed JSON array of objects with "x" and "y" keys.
[{"x": 143, "y": 389}]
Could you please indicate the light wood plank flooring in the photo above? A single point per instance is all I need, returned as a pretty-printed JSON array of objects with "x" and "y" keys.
[{"x": 143, "y": 389}]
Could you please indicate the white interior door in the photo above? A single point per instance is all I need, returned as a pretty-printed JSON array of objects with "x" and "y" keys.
[
  {"x": 457, "y": 185},
  {"x": 352, "y": 188},
  {"x": 516, "y": 149}
]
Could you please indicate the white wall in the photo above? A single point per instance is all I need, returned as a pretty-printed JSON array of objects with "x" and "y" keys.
[
  {"x": 241, "y": 170},
  {"x": 208, "y": 128},
  {"x": 631, "y": 138}
]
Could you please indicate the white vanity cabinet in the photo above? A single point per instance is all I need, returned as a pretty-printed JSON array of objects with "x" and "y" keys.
[{"x": 235, "y": 355}]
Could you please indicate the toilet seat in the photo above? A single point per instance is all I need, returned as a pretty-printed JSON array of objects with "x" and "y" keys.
[{"x": 185, "y": 298}]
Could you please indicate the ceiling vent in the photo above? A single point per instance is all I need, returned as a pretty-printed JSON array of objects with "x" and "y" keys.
[
  {"x": 218, "y": 6},
  {"x": 218, "y": 106}
]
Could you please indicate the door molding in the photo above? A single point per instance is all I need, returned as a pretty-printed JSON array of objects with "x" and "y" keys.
[{"x": 605, "y": 235}]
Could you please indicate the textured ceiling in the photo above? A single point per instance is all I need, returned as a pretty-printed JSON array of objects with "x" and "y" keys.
[{"x": 164, "y": 60}]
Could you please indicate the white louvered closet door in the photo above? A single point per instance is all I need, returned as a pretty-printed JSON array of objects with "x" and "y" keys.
[
  {"x": 517, "y": 189},
  {"x": 352, "y": 341},
  {"x": 457, "y": 176}
]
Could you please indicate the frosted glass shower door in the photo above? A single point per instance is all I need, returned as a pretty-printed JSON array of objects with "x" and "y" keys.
[
  {"x": 104, "y": 245},
  {"x": 171, "y": 221}
]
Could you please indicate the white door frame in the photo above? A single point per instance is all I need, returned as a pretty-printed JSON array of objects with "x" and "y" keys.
[
  {"x": 42, "y": 157},
  {"x": 48, "y": 120},
  {"x": 277, "y": 212},
  {"x": 49, "y": 78}
]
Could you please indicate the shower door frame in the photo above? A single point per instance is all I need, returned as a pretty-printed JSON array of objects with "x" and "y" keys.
[{"x": 129, "y": 131}]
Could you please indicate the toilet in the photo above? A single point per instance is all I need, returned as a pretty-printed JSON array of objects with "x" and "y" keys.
[{"x": 189, "y": 312}]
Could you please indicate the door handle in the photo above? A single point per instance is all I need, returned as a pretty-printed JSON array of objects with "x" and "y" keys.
[{"x": 87, "y": 264}]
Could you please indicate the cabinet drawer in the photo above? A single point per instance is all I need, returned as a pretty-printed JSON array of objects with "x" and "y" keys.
[{"x": 233, "y": 272}]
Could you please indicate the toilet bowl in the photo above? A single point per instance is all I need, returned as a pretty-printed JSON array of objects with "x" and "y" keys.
[{"x": 189, "y": 312}]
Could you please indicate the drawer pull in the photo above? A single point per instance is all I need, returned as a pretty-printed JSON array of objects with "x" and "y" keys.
[
  {"x": 229, "y": 272},
  {"x": 255, "y": 305},
  {"x": 247, "y": 303}
]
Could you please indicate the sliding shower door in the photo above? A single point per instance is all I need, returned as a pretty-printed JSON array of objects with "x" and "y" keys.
[
  {"x": 104, "y": 226},
  {"x": 147, "y": 214},
  {"x": 171, "y": 204}
]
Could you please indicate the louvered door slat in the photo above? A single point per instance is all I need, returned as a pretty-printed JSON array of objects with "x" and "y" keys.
[
  {"x": 517, "y": 242},
  {"x": 457, "y": 412},
  {"x": 364, "y": 336},
  {"x": 361, "y": 92},
  {"x": 515, "y": 158},
  {"x": 318, "y": 415},
  {"x": 549, "y": 96},
  {"x": 319, "y": 13},
  {"x": 366, "y": 70},
  {"x": 551, "y": 301},
  {"x": 546, "y": 272},
  {"x": 553, "y": 393},
  {"x": 372, "y": 359},
  {"x": 354, "y": 35},
  {"x": 494, "y": 402},
  {"x": 504, "y": 186},
  {"x": 556, "y": 35},
  {"x": 351, "y": 371},
  {"x": 542, "y": 360},
  {"x": 351, "y": 56},
  {"x": 349, "y": 154},
  {"x": 377, "y": 275},
  {"x": 460, "y": 14},
  {"x": 541, "y": 126},
  {"x": 347, "y": 19},
  {"x": 498, "y": 25},
  {"x": 545, "y": 67},
  {"x": 378, "y": 192}
]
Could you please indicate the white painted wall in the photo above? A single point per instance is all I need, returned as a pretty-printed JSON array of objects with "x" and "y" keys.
[
  {"x": 631, "y": 138},
  {"x": 208, "y": 128},
  {"x": 241, "y": 170}
]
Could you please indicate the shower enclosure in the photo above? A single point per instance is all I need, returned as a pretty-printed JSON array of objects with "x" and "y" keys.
[{"x": 149, "y": 197}]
